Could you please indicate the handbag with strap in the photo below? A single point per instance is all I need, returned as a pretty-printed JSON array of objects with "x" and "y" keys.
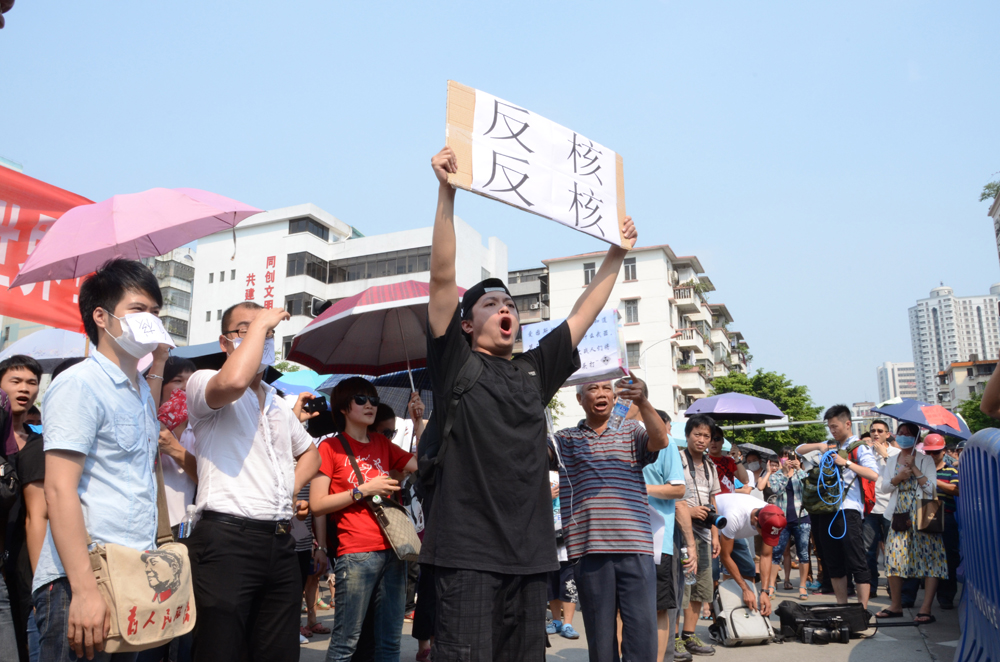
[
  {"x": 392, "y": 518},
  {"x": 149, "y": 593},
  {"x": 930, "y": 513}
]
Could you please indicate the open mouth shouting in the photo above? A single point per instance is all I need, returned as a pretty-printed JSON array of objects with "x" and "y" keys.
[{"x": 506, "y": 327}]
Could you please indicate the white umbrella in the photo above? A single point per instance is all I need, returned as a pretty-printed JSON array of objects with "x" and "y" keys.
[{"x": 49, "y": 347}]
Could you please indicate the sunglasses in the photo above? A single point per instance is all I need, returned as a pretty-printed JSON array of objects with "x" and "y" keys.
[{"x": 360, "y": 400}]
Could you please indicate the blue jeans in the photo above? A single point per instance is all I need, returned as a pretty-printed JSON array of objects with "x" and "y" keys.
[
  {"x": 801, "y": 531},
  {"x": 8, "y": 641},
  {"x": 744, "y": 560},
  {"x": 51, "y": 615},
  {"x": 32, "y": 638},
  {"x": 375, "y": 577},
  {"x": 873, "y": 528}
]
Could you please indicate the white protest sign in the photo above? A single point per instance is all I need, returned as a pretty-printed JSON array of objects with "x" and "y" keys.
[
  {"x": 506, "y": 152},
  {"x": 602, "y": 349},
  {"x": 147, "y": 328}
]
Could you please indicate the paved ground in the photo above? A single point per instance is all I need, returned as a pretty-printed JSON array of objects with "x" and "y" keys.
[{"x": 930, "y": 643}]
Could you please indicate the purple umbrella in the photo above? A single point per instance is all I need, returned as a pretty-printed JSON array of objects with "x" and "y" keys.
[{"x": 735, "y": 407}]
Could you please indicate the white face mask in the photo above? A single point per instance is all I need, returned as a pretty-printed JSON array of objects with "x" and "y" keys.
[
  {"x": 141, "y": 333},
  {"x": 267, "y": 358},
  {"x": 753, "y": 466}
]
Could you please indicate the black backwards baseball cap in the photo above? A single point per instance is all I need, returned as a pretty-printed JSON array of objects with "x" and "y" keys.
[{"x": 478, "y": 291}]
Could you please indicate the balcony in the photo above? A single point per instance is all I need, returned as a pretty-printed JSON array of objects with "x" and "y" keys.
[
  {"x": 692, "y": 382},
  {"x": 687, "y": 300},
  {"x": 691, "y": 339},
  {"x": 534, "y": 314}
]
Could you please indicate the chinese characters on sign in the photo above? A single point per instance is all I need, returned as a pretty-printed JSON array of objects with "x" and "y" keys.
[
  {"x": 532, "y": 163},
  {"x": 602, "y": 349},
  {"x": 269, "y": 282}
]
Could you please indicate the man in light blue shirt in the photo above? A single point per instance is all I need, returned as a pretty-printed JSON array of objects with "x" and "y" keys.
[
  {"x": 101, "y": 438},
  {"x": 665, "y": 487}
]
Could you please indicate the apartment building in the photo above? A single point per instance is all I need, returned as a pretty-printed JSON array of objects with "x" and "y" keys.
[
  {"x": 896, "y": 380},
  {"x": 946, "y": 329},
  {"x": 963, "y": 380},
  {"x": 175, "y": 273},
  {"x": 302, "y": 257},
  {"x": 675, "y": 340}
]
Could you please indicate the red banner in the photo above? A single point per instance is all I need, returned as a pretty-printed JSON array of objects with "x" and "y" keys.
[{"x": 28, "y": 208}]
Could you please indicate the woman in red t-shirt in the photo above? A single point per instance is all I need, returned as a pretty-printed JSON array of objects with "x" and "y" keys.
[{"x": 367, "y": 570}]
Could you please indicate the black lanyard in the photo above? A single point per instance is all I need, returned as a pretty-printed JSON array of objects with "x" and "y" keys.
[{"x": 691, "y": 470}]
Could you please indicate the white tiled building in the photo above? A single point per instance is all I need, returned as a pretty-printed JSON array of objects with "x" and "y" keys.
[
  {"x": 896, "y": 380},
  {"x": 300, "y": 257},
  {"x": 945, "y": 329},
  {"x": 676, "y": 341}
]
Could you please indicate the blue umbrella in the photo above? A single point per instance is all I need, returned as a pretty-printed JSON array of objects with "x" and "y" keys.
[
  {"x": 916, "y": 412},
  {"x": 293, "y": 389},
  {"x": 307, "y": 379}
]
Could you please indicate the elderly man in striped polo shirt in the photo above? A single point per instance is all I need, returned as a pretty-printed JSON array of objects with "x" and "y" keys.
[{"x": 606, "y": 520}]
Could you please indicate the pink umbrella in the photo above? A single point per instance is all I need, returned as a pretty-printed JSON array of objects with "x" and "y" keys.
[
  {"x": 133, "y": 226},
  {"x": 380, "y": 330}
]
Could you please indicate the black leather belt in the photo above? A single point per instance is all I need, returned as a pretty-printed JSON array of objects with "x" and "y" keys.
[{"x": 278, "y": 528}]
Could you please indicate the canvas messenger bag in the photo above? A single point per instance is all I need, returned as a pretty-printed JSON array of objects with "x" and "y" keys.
[{"x": 149, "y": 593}]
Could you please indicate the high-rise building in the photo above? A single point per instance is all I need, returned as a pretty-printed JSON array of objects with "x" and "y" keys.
[
  {"x": 896, "y": 380},
  {"x": 946, "y": 329},
  {"x": 995, "y": 215}
]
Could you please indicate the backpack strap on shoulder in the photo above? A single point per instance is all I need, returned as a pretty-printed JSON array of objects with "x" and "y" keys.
[{"x": 468, "y": 375}]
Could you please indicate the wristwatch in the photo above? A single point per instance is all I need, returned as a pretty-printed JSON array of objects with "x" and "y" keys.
[{"x": 356, "y": 494}]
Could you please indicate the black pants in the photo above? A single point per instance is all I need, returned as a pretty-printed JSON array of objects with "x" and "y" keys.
[
  {"x": 412, "y": 576},
  {"x": 423, "y": 615},
  {"x": 844, "y": 556},
  {"x": 607, "y": 584},
  {"x": 248, "y": 592},
  {"x": 489, "y": 616}
]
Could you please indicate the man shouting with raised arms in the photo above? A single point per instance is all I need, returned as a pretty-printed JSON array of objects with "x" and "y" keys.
[{"x": 489, "y": 534}]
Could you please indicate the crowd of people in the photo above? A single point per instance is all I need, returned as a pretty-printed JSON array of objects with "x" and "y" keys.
[{"x": 277, "y": 501}]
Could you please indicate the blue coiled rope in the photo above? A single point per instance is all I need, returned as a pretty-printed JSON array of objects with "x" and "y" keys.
[{"x": 830, "y": 489}]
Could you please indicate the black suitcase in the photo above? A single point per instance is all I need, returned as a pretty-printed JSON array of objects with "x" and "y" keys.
[{"x": 822, "y": 623}]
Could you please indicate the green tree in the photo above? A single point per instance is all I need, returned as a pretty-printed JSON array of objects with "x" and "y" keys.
[
  {"x": 557, "y": 409},
  {"x": 793, "y": 400},
  {"x": 974, "y": 418},
  {"x": 287, "y": 366},
  {"x": 990, "y": 191}
]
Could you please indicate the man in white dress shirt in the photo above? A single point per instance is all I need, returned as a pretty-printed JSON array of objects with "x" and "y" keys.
[{"x": 253, "y": 457}]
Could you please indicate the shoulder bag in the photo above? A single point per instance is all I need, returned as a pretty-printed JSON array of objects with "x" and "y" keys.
[
  {"x": 930, "y": 516},
  {"x": 149, "y": 593},
  {"x": 392, "y": 517}
]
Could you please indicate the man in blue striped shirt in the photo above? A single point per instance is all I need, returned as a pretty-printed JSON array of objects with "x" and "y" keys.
[{"x": 606, "y": 519}]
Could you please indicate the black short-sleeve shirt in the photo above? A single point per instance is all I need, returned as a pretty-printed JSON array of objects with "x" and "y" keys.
[{"x": 492, "y": 508}]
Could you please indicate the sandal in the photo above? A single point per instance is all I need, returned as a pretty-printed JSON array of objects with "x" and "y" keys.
[
  {"x": 803, "y": 594},
  {"x": 771, "y": 590},
  {"x": 924, "y": 619},
  {"x": 885, "y": 613},
  {"x": 305, "y": 632},
  {"x": 319, "y": 628},
  {"x": 788, "y": 585}
]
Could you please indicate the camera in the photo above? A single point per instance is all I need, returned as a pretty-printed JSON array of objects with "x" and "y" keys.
[
  {"x": 711, "y": 519},
  {"x": 316, "y": 405}
]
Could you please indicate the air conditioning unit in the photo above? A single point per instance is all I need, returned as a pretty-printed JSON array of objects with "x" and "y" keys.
[
  {"x": 535, "y": 306},
  {"x": 545, "y": 298}
]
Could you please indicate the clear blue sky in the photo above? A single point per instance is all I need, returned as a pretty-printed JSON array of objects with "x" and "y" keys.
[{"x": 824, "y": 160}]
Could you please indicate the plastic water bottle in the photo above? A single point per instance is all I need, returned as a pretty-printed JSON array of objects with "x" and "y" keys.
[
  {"x": 187, "y": 524},
  {"x": 690, "y": 578},
  {"x": 619, "y": 412}
]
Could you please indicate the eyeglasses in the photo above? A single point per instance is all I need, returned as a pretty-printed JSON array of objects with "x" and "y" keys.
[
  {"x": 389, "y": 434},
  {"x": 360, "y": 400},
  {"x": 242, "y": 332}
]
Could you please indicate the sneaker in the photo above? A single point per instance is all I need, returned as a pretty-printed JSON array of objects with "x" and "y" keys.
[
  {"x": 553, "y": 626},
  {"x": 303, "y": 640},
  {"x": 680, "y": 653},
  {"x": 813, "y": 586},
  {"x": 408, "y": 617},
  {"x": 695, "y": 646},
  {"x": 568, "y": 632}
]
